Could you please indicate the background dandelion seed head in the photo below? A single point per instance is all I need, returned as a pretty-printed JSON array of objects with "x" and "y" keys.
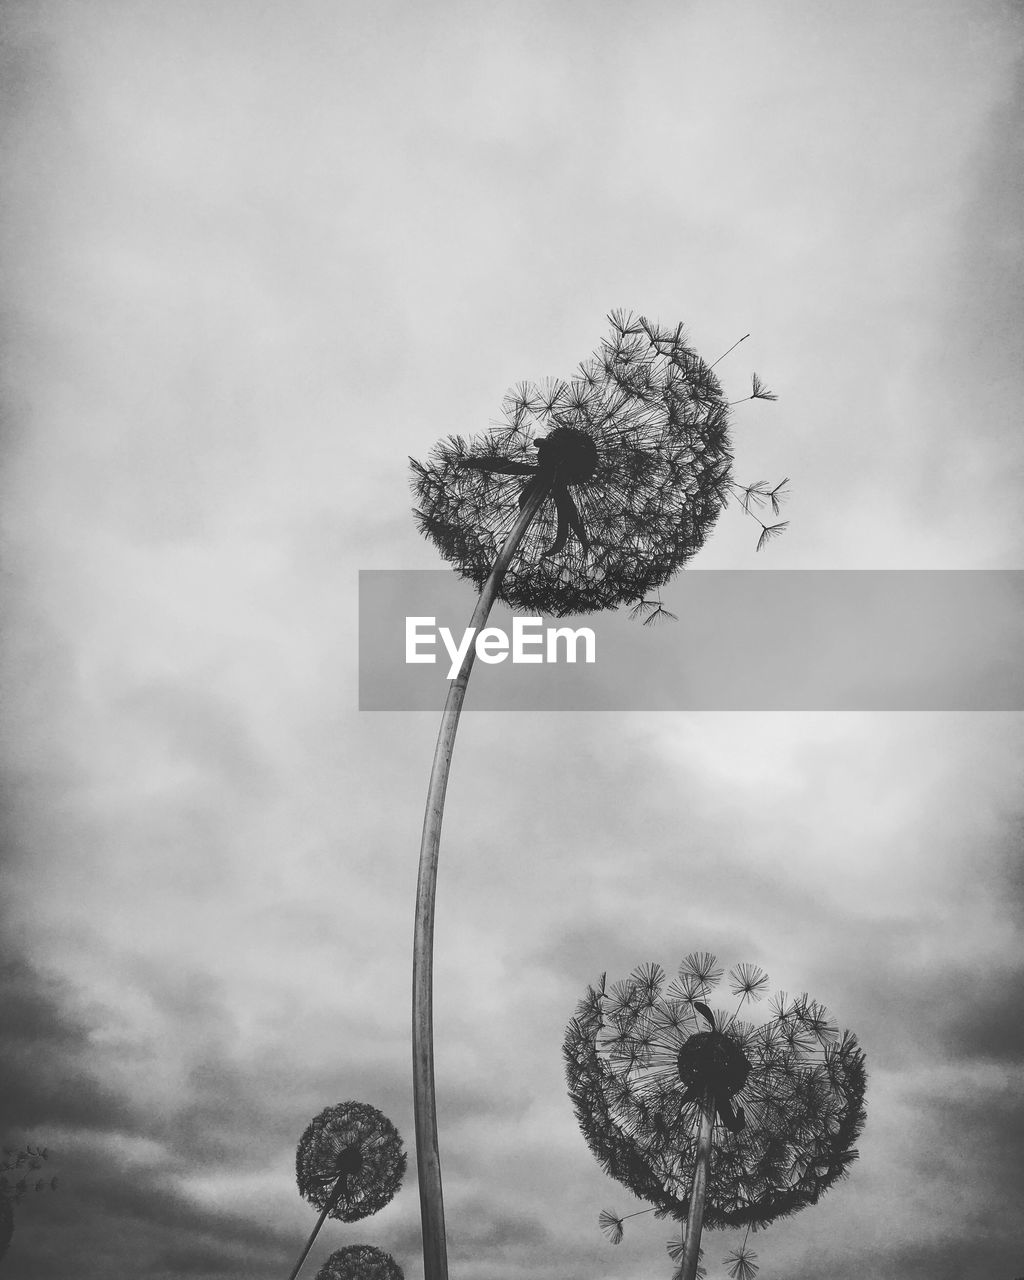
[
  {"x": 631, "y": 1065},
  {"x": 360, "y": 1262},
  {"x": 325, "y": 1155}
]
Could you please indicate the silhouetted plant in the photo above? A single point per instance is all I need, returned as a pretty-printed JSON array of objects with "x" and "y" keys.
[
  {"x": 604, "y": 508},
  {"x": 23, "y": 1165},
  {"x": 360, "y": 1262},
  {"x": 349, "y": 1164},
  {"x": 707, "y": 1117},
  {"x": 632, "y": 473}
]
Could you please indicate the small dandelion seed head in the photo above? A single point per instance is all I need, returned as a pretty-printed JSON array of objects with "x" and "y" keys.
[
  {"x": 350, "y": 1158},
  {"x": 360, "y": 1262}
]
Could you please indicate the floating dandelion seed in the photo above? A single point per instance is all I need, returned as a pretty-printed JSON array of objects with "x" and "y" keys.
[
  {"x": 758, "y": 391},
  {"x": 611, "y": 1226},
  {"x": 360, "y": 1262},
  {"x": 588, "y": 495},
  {"x": 682, "y": 1102},
  {"x": 349, "y": 1164}
]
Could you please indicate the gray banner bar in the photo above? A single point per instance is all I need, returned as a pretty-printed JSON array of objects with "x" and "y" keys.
[{"x": 792, "y": 640}]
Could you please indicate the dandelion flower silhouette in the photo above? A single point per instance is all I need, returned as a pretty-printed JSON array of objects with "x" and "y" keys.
[
  {"x": 788, "y": 1093},
  {"x": 589, "y": 494},
  {"x": 350, "y": 1161},
  {"x": 635, "y": 454},
  {"x": 360, "y": 1262}
]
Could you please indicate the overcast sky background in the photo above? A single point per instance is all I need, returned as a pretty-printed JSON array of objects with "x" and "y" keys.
[{"x": 254, "y": 255}]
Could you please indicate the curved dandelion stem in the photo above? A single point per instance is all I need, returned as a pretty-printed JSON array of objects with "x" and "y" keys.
[
  {"x": 698, "y": 1191},
  {"x": 428, "y": 1162},
  {"x": 339, "y": 1187}
]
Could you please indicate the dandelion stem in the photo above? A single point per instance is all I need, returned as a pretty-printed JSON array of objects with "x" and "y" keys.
[
  {"x": 428, "y": 1161},
  {"x": 698, "y": 1191},
  {"x": 339, "y": 1187}
]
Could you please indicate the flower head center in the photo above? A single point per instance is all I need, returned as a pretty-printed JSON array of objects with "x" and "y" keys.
[
  {"x": 349, "y": 1161},
  {"x": 569, "y": 453},
  {"x": 709, "y": 1062}
]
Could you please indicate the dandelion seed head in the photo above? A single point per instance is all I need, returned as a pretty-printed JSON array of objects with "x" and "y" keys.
[
  {"x": 789, "y": 1102},
  {"x": 360, "y": 1262},
  {"x": 350, "y": 1158}
]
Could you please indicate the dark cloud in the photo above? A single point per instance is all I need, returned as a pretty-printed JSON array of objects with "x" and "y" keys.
[
  {"x": 102, "y": 1214},
  {"x": 984, "y": 1016},
  {"x": 954, "y": 1214},
  {"x": 45, "y": 1072},
  {"x": 52, "y": 1094},
  {"x": 925, "y": 1257},
  {"x": 990, "y": 289},
  {"x": 117, "y": 1162},
  {"x": 952, "y": 1259},
  {"x": 485, "y": 1229},
  {"x": 213, "y": 1259}
]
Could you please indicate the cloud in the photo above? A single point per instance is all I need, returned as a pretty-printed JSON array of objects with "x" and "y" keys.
[{"x": 43, "y": 1071}]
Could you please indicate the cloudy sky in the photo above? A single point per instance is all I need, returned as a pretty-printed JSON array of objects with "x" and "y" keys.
[{"x": 255, "y": 254}]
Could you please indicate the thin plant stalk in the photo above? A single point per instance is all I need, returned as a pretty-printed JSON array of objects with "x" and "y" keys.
[
  {"x": 336, "y": 1194},
  {"x": 698, "y": 1191},
  {"x": 428, "y": 1161}
]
